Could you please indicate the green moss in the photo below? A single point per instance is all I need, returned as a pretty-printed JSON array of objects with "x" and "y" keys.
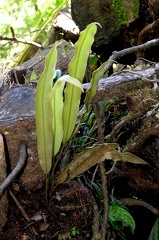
[
  {"x": 121, "y": 14},
  {"x": 135, "y": 8}
]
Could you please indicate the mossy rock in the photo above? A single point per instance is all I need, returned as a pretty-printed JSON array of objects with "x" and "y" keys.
[{"x": 111, "y": 14}]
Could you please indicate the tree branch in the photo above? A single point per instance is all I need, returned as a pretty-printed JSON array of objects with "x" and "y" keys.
[
  {"x": 16, "y": 39},
  {"x": 136, "y": 202},
  {"x": 118, "y": 54}
]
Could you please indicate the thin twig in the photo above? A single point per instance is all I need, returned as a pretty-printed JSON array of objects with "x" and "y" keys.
[
  {"x": 33, "y": 231},
  {"x": 94, "y": 174},
  {"x": 136, "y": 202},
  {"x": 16, "y": 39},
  {"x": 143, "y": 78},
  {"x": 95, "y": 228},
  {"x": 118, "y": 54},
  {"x": 112, "y": 169},
  {"x": 131, "y": 116},
  {"x": 16, "y": 170},
  {"x": 99, "y": 112},
  {"x": 105, "y": 200},
  {"x": 115, "y": 130}
]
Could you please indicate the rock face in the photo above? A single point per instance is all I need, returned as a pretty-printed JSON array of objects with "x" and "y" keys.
[
  {"x": 17, "y": 123},
  {"x": 121, "y": 21}
]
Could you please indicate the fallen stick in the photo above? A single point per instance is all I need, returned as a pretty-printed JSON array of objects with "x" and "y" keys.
[
  {"x": 137, "y": 202},
  {"x": 16, "y": 170}
]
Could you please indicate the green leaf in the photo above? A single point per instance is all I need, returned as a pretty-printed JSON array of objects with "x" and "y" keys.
[
  {"x": 76, "y": 69},
  {"x": 77, "y": 66},
  {"x": 154, "y": 235},
  {"x": 33, "y": 76},
  {"x": 119, "y": 218},
  {"x": 66, "y": 78},
  {"x": 115, "y": 201},
  {"x": 98, "y": 191},
  {"x": 85, "y": 160},
  {"x": 57, "y": 109},
  {"x": 93, "y": 59},
  {"x": 43, "y": 112},
  {"x": 91, "y": 91}
]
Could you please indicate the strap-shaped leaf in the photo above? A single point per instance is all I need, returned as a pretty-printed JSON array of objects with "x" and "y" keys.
[
  {"x": 43, "y": 112},
  {"x": 66, "y": 78},
  {"x": 85, "y": 160},
  {"x": 124, "y": 157},
  {"x": 78, "y": 64},
  {"x": 77, "y": 69},
  {"x": 91, "y": 91},
  {"x": 57, "y": 109},
  {"x": 91, "y": 156}
]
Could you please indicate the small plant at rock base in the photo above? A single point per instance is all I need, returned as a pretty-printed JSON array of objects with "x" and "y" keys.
[
  {"x": 74, "y": 231},
  {"x": 57, "y": 106},
  {"x": 58, "y": 117}
]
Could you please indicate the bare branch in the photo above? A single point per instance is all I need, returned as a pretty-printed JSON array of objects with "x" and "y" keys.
[
  {"x": 136, "y": 202},
  {"x": 118, "y": 54},
  {"x": 16, "y": 39}
]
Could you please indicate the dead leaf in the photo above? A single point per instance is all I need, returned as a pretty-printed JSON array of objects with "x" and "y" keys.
[
  {"x": 124, "y": 157},
  {"x": 85, "y": 160},
  {"x": 96, "y": 154},
  {"x": 43, "y": 226}
]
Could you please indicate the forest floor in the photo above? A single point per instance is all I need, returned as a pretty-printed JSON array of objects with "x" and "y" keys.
[{"x": 68, "y": 215}]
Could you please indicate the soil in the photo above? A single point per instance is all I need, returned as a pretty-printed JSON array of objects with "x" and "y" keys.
[{"x": 68, "y": 213}]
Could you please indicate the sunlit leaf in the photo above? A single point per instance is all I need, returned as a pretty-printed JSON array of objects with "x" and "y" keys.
[
  {"x": 91, "y": 91},
  {"x": 57, "y": 109},
  {"x": 33, "y": 76},
  {"x": 66, "y": 78},
  {"x": 43, "y": 112},
  {"x": 77, "y": 69},
  {"x": 78, "y": 64},
  {"x": 56, "y": 119}
]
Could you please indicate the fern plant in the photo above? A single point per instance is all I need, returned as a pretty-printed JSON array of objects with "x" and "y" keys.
[{"x": 57, "y": 112}]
